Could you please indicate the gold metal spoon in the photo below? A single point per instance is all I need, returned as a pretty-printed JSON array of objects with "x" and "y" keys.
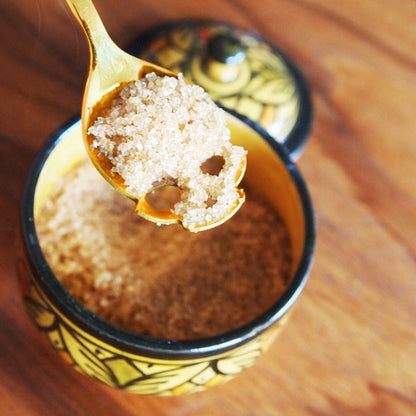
[{"x": 110, "y": 69}]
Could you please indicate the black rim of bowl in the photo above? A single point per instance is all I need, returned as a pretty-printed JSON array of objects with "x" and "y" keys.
[{"x": 145, "y": 345}]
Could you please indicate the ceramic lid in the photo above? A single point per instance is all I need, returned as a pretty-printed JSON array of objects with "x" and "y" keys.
[{"x": 240, "y": 70}]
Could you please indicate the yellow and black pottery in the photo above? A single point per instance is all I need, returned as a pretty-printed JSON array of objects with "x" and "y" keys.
[
  {"x": 141, "y": 364},
  {"x": 241, "y": 71}
]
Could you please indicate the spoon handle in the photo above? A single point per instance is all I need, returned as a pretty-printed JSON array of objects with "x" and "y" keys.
[{"x": 102, "y": 48}]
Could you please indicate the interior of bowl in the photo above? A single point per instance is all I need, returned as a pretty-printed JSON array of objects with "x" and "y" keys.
[{"x": 269, "y": 170}]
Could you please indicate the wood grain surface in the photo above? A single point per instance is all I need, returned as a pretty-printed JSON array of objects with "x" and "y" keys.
[{"x": 350, "y": 346}]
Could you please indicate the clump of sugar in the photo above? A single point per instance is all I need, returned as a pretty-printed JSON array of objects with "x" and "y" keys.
[{"x": 161, "y": 130}]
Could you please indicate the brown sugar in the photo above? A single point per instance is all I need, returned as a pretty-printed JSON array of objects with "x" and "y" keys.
[{"x": 162, "y": 281}]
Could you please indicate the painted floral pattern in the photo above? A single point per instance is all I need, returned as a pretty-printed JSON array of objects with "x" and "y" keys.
[{"x": 136, "y": 374}]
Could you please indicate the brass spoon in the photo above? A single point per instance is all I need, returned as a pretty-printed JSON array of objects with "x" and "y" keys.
[{"x": 110, "y": 69}]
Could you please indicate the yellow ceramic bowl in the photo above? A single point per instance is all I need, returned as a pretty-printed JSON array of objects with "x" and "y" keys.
[{"x": 141, "y": 364}]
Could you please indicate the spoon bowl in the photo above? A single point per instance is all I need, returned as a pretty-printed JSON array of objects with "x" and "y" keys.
[{"x": 111, "y": 69}]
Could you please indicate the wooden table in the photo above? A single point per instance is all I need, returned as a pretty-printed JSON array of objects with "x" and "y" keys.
[{"x": 350, "y": 347}]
